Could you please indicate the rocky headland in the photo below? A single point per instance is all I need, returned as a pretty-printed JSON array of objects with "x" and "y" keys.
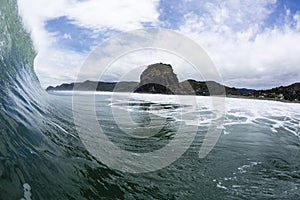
[{"x": 160, "y": 78}]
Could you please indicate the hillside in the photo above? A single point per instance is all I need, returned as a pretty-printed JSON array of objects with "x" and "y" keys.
[
  {"x": 160, "y": 78},
  {"x": 289, "y": 93}
]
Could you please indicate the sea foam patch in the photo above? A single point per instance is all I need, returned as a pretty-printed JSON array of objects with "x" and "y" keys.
[
  {"x": 271, "y": 114},
  {"x": 27, "y": 193}
]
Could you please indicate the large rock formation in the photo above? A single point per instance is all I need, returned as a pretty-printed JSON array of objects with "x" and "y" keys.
[{"x": 159, "y": 78}]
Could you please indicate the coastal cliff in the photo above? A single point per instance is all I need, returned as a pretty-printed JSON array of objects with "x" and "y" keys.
[{"x": 159, "y": 78}]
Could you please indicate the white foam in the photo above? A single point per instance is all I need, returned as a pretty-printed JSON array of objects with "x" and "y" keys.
[
  {"x": 219, "y": 185},
  {"x": 276, "y": 115},
  {"x": 243, "y": 169},
  {"x": 27, "y": 193},
  {"x": 236, "y": 186},
  {"x": 271, "y": 114}
]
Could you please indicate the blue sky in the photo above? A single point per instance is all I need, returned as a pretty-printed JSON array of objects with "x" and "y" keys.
[{"x": 252, "y": 43}]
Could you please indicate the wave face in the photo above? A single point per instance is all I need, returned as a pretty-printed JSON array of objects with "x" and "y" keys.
[
  {"x": 35, "y": 149},
  {"x": 42, "y": 156}
]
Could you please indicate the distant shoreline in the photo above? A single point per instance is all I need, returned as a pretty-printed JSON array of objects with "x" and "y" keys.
[
  {"x": 227, "y": 96},
  {"x": 290, "y": 93},
  {"x": 256, "y": 98},
  {"x": 159, "y": 78}
]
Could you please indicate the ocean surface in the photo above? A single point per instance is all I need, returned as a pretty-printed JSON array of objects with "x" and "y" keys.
[{"x": 45, "y": 154}]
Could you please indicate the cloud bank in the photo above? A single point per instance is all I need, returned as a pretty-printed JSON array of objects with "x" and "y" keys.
[{"x": 253, "y": 43}]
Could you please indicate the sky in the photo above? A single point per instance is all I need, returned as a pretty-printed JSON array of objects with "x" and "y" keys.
[{"x": 253, "y": 43}]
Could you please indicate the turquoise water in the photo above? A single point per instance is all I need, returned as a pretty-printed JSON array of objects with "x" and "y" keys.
[{"x": 42, "y": 156}]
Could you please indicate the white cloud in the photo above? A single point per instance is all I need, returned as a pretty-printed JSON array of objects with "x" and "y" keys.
[
  {"x": 67, "y": 36},
  {"x": 250, "y": 55},
  {"x": 233, "y": 32},
  {"x": 296, "y": 17},
  {"x": 58, "y": 66},
  {"x": 113, "y": 14},
  {"x": 34, "y": 14},
  {"x": 55, "y": 64}
]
